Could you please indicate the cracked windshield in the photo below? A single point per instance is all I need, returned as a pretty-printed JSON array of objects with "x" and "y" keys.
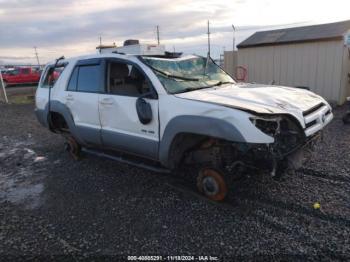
[{"x": 189, "y": 74}]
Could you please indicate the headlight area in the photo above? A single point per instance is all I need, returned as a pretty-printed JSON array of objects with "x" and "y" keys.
[{"x": 288, "y": 135}]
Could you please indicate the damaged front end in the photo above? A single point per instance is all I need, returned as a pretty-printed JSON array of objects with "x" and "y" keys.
[{"x": 290, "y": 149}]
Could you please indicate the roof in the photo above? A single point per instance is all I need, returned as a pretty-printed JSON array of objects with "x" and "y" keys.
[{"x": 323, "y": 32}]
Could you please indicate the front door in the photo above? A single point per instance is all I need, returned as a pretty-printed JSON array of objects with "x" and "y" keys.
[{"x": 121, "y": 126}]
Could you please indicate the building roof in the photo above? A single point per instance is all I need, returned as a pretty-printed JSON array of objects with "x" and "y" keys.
[{"x": 323, "y": 32}]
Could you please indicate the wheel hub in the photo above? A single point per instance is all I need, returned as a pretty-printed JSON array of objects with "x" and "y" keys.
[{"x": 210, "y": 186}]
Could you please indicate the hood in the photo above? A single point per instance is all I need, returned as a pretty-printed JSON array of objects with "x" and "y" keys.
[{"x": 262, "y": 99}]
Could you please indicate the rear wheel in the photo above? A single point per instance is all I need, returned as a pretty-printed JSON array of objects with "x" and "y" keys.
[
  {"x": 73, "y": 148},
  {"x": 211, "y": 183}
]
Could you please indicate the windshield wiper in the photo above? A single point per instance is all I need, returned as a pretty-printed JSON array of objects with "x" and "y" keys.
[
  {"x": 220, "y": 83},
  {"x": 189, "y": 89},
  {"x": 173, "y": 76}
]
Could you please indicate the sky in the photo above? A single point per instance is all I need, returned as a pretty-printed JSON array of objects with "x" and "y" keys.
[{"x": 73, "y": 27}]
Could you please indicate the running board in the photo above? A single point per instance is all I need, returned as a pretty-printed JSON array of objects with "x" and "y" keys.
[{"x": 125, "y": 161}]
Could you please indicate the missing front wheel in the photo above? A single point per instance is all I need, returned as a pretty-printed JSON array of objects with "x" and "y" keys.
[{"x": 212, "y": 184}]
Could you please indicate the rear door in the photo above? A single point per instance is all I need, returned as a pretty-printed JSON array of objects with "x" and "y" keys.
[
  {"x": 81, "y": 97},
  {"x": 121, "y": 126}
]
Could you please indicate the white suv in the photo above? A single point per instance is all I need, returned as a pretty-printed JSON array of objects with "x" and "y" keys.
[{"x": 164, "y": 112}]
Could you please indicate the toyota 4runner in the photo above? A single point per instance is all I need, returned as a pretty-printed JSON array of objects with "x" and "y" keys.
[{"x": 166, "y": 112}]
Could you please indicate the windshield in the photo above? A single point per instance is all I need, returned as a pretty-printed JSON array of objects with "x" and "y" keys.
[
  {"x": 14, "y": 72},
  {"x": 187, "y": 74}
]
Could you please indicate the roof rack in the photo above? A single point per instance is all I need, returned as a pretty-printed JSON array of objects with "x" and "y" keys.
[
  {"x": 133, "y": 47},
  {"x": 167, "y": 55}
]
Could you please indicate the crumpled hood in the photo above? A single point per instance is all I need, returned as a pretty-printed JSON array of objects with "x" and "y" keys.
[{"x": 262, "y": 99}]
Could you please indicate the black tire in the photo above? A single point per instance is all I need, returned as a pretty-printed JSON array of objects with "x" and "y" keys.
[
  {"x": 346, "y": 118},
  {"x": 73, "y": 148},
  {"x": 211, "y": 183}
]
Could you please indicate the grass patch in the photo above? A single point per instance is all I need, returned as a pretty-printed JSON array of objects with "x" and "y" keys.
[{"x": 21, "y": 99}]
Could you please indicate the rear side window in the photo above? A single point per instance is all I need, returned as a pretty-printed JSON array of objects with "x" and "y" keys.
[
  {"x": 25, "y": 71},
  {"x": 72, "y": 85},
  {"x": 89, "y": 78},
  {"x": 50, "y": 79}
]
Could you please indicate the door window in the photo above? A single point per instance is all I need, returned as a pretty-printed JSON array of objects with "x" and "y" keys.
[
  {"x": 126, "y": 80},
  {"x": 25, "y": 71},
  {"x": 89, "y": 79},
  {"x": 72, "y": 85},
  {"x": 50, "y": 78}
]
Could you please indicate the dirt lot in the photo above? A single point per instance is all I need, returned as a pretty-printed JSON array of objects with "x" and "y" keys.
[
  {"x": 51, "y": 205},
  {"x": 20, "y": 90}
]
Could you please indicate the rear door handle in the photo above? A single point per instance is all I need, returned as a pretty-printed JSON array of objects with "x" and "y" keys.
[
  {"x": 70, "y": 97},
  {"x": 106, "y": 101}
]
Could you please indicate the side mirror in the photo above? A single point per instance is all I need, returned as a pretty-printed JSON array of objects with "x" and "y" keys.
[
  {"x": 150, "y": 95},
  {"x": 144, "y": 110}
]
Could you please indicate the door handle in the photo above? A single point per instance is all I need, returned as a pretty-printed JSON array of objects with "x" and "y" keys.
[
  {"x": 106, "y": 101},
  {"x": 70, "y": 98}
]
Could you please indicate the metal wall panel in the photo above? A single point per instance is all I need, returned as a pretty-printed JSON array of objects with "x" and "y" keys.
[
  {"x": 345, "y": 91},
  {"x": 230, "y": 63},
  {"x": 317, "y": 65}
]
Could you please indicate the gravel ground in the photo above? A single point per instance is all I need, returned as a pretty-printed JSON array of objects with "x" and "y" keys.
[{"x": 51, "y": 205}]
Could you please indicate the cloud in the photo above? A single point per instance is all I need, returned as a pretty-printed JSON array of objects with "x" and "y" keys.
[
  {"x": 15, "y": 57},
  {"x": 117, "y": 24},
  {"x": 72, "y": 27}
]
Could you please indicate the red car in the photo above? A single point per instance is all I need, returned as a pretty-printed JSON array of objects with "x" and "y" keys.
[{"x": 22, "y": 75}]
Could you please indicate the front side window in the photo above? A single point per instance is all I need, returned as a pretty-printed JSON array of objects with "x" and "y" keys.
[
  {"x": 188, "y": 73},
  {"x": 126, "y": 80}
]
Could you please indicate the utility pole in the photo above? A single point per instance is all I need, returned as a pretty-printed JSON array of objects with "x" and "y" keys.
[
  {"x": 37, "y": 56},
  {"x": 234, "y": 37},
  {"x": 158, "y": 35},
  {"x": 233, "y": 49},
  {"x": 208, "y": 40},
  {"x": 100, "y": 43},
  {"x": 208, "y": 55}
]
